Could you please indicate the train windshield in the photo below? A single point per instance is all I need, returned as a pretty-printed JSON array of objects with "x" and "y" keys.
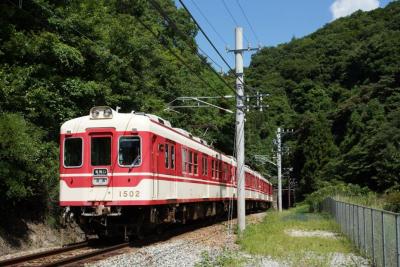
[
  {"x": 100, "y": 151},
  {"x": 129, "y": 151},
  {"x": 73, "y": 152}
]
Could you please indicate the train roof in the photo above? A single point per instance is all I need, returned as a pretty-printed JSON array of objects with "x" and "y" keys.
[{"x": 105, "y": 117}]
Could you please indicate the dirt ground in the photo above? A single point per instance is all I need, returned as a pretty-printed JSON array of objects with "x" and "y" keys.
[{"x": 35, "y": 237}]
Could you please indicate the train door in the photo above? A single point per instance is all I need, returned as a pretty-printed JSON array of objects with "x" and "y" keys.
[
  {"x": 170, "y": 167},
  {"x": 101, "y": 165}
]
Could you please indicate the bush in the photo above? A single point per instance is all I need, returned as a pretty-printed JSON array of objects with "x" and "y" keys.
[
  {"x": 28, "y": 166},
  {"x": 392, "y": 202},
  {"x": 314, "y": 200}
]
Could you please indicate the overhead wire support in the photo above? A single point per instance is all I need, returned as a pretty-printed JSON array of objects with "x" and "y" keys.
[{"x": 198, "y": 103}]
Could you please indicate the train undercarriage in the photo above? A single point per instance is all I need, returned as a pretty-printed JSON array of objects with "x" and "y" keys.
[{"x": 134, "y": 222}]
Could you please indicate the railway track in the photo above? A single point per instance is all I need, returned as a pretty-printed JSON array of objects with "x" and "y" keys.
[{"x": 71, "y": 255}]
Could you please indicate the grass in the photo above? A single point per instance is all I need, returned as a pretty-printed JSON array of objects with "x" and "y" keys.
[{"x": 269, "y": 238}]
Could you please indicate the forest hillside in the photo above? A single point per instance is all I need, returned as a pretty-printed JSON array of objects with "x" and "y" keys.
[{"x": 338, "y": 88}]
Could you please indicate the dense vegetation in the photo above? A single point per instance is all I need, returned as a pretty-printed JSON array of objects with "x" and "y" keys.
[
  {"x": 60, "y": 58},
  {"x": 338, "y": 88}
]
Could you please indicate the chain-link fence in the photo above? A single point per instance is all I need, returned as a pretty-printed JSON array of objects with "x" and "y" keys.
[{"x": 375, "y": 232}]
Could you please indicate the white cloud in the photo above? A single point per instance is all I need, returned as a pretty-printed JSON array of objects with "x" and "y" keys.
[{"x": 342, "y": 8}]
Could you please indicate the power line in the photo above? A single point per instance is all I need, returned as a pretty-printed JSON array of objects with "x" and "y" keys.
[
  {"x": 212, "y": 44},
  {"x": 209, "y": 23},
  {"x": 248, "y": 21},
  {"x": 233, "y": 18},
  {"x": 174, "y": 54},
  {"x": 206, "y": 36},
  {"x": 183, "y": 36}
]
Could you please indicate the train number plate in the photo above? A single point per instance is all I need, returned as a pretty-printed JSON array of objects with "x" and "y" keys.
[{"x": 99, "y": 172}]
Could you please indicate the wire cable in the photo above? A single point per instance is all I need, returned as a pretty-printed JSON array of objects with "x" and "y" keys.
[
  {"x": 175, "y": 54},
  {"x": 172, "y": 24},
  {"x": 213, "y": 46},
  {"x": 209, "y": 23},
  {"x": 233, "y": 18},
  {"x": 248, "y": 21}
]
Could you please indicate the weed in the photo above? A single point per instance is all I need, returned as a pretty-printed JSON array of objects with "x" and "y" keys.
[{"x": 270, "y": 238}]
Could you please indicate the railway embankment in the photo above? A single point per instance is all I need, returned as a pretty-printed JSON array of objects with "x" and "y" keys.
[{"x": 25, "y": 237}]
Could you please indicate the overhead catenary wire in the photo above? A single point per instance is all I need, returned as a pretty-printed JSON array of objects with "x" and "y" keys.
[
  {"x": 248, "y": 21},
  {"x": 172, "y": 24},
  {"x": 209, "y": 23},
  {"x": 175, "y": 54},
  {"x": 212, "y": 45},
  {"x": 233, "y": 18}
]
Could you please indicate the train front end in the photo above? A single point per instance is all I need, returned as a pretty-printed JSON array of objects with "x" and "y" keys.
[{"x": 101, "y": 167}]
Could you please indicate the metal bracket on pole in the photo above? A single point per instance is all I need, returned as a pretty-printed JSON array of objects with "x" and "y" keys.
[{"x": 196, "y": 102}]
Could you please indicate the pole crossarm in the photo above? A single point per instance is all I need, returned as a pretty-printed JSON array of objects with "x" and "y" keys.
[
  {"x": 197, "y": 102},
  {"x": 264, "y": 159}
]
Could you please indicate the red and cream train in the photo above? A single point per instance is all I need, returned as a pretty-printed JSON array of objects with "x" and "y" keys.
[{"x": 120, "y": 172}]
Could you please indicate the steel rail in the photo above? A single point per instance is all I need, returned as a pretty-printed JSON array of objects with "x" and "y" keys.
[
  {"x": 42, "y": 254},
  {"x": 84, "y": 256}
]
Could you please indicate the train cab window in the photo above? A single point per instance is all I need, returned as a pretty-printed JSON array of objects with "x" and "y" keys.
[
  {"x": 73, "y": 152},
  {"x": 129, "y": 151},
  {"x": 100, "y": 151}
]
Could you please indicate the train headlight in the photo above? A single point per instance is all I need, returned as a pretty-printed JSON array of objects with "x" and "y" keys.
[
  {"x": 101, "y": 112},
  {"x": 107, "y": 112}
]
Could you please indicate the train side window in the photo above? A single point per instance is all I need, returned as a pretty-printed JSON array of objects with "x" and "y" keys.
[
  {"x": 73, "y": 152},
  {"x": 100, "y": 151},
  {"x": 220, "y": 170},
  {"x": 204, "y": 166},
  {"x": 172, "y": 161},
  {"x": 213, "y": 168},
  {"x": 195, "y": 163},
  {"x": 129, "y": 152},
  {"x": 166, "y": 158},
  {"x": 184, "y": 162},
  {"x": 225, "y": 172},
  {"x": 190, "y": 162}
]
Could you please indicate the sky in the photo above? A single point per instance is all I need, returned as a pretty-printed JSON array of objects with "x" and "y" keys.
[{"x": 273, "y": 21}]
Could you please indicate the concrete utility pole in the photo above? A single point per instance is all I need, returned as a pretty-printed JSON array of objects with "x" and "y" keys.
[
  {"x": 239, "y": 141},
  {"x": 241, "y": 191},
  {"x": 279, "y": 165}
]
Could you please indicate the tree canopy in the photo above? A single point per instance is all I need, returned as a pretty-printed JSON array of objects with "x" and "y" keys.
[{"x": 338, "y": 88}]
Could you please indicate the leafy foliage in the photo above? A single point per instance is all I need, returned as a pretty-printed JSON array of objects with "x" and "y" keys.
[
  {"x": 25, "y": 170},
  {"x": 58, "y": 59},
  {"x": 339, "y": 88}
]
